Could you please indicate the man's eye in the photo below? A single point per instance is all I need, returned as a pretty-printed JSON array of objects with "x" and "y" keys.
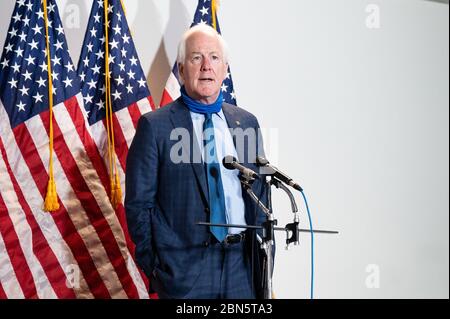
[{"x": 196, "y": 58}]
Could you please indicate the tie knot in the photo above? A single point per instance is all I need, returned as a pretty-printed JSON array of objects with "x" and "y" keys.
[{"x": 208, "y": 116}]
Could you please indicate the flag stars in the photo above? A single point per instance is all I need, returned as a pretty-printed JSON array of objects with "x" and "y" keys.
[
  {"x": 90, "y": 47},
  {"x": 126, "y": 38},
  {"x": 116, "y": 95},
  {"x": 119, "y": 80},
  {"x": 59, "y": 45},
  {"x": 37, "y": 29},
  {"x": 100, "y": 105},
  {"x": 88, "y": 99},
  {"x": 97, "y": 18},
  {"x": 133, "y": 61},
  {"x": 56, "y": 61},
  {"x": 116, "y": 29},
  {"x": 204, "y": 11},
  {"x": 24, "y": 90},
  {"x": 27, "y": 75},
  {"x": 43, "y": 66},
  {"x": 119, "y": 16},
  {"x": 111, "y": 59},
  {"x": 114, "y": 44},
  {"x": 131, "y": 74},
  {"x": 100, "y": 54},
  {"x": 93, "y": 32},
  {"x": 83, "y": 76},
  {"x": 13, "y": 32},
  {"x": 96, "y": 69},
  {"x": 13, "y": 83},
  {"x": 224, "y": 87},
  {"x": 122, "y": 66},
  {"x": 21, "y": 106},
  {"x": 67, "y": 82},
  {"x": 110, "y": 8},
  {"x": 33, "y": 44},
  {"x": 5, "y": 63},
  {"x": 51, "y": 8},
  {"x": 92, "y": 84},
  {"x": 21, "y": 3},
  {"x": 16, "y": 67},
  {"x": 69, "y": 67},
  {"x": 19, "y": 52},
  {"x": 38, "y": 97},
  {"x": 129, "y": 88},
  {"x": 141, "y": 82},
  {"x": 41, "y": 81},
  {"x": 29, "y": 6},
  {"x": 9, "y": 48},
  {"x": 17, "y": 17},
  {"x": 23, "y": 37},
  {"x": 60, "y": 30},
  {"x": 124, "y": 53},
  {"x": 86, "y": 61},
  {"x": 26, "y": 21},
  {"x": 55, "y": 75},
  {"x": 40, "y": 14}
]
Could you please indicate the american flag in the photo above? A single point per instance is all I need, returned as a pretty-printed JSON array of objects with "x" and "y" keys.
[
  {"x": 130, "y": 95},
  {"x": 203, "y": 15},
  {"x": 80, "y": 250}
]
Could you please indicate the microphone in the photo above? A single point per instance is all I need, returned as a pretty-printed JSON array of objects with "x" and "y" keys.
[
  {"x": 272, "y": 170},
  {"x": 230, "y": 162}
]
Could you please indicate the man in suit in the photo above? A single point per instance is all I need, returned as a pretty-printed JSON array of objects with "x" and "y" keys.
[{"x": 175, "y": 178}]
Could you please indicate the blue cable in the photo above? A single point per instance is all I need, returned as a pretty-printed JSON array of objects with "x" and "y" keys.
[{"x": 312, "y": 245}]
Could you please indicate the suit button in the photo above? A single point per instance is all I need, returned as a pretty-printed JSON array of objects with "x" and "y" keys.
[
  {"x": 207, "y": 210},
  {"x": 206, "y": 243}
]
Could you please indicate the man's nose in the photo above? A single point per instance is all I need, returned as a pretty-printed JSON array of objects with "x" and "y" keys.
[{"x": 206, "y": 65}]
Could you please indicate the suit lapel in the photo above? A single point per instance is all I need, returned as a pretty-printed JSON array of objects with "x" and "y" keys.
[{"x": 181, "y": 118}]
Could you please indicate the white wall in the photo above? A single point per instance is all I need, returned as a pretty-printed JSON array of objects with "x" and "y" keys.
[{"x": 359, "y": 117}]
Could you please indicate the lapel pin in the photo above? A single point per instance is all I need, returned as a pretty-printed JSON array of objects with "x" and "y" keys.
[{"x": 238, "y": 123}]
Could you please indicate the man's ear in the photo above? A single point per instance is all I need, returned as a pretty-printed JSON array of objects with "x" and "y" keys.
[
  {"x": 225, "y": 71},
  {"x": 181, "y": 71}
]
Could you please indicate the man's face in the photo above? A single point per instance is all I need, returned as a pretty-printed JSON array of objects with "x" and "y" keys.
[{"x": 204, "y": 68}]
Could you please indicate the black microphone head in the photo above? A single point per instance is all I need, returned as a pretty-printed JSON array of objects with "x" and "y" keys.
[
  {"x": 261, "y": 161},
  {"x": 228, "y": 160}
]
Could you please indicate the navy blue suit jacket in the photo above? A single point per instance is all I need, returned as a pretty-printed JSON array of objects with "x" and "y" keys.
[{"x": 165, "y": 200}]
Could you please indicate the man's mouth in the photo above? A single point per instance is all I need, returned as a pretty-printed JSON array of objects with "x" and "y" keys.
[{"x": 206, "y": 80}]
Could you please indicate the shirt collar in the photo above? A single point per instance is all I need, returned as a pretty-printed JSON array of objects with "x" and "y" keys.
[{"x": 199, "y": 115}]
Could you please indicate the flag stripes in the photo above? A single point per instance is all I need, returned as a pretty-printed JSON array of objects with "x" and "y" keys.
[{"x": 26, "y": 222}]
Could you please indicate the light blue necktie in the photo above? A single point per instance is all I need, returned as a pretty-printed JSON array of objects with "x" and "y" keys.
[{"x": 215, "y": 187}]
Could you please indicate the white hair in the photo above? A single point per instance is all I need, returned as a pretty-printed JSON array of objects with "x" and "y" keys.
[{"x": 202, "y": 28}]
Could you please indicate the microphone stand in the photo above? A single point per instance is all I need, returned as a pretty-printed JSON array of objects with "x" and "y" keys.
[{"x": 268, "y": 227}]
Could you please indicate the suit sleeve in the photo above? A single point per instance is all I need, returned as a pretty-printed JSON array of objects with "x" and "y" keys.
[{"x": 141, "y": 189}]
